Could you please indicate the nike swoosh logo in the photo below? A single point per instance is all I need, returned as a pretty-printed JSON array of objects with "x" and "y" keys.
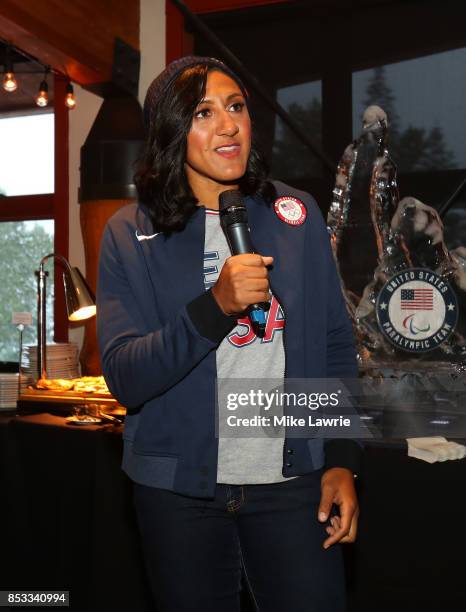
[{"x": 143, "y": 237}]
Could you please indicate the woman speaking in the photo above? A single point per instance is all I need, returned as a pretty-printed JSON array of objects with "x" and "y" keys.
[{"x": 172, "y": 320}]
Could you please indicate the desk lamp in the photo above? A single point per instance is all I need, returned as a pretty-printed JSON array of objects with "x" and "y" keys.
[{"x": 80, "y": 303}]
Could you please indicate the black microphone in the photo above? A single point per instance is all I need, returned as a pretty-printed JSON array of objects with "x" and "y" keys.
[{"x": 234, "y": 221}]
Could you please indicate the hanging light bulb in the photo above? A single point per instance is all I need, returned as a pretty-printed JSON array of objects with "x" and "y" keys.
[
  {"x": 70, "y": 100},
  {"x": 42, "y": 98},
  {"x": 9, "y": 81}
]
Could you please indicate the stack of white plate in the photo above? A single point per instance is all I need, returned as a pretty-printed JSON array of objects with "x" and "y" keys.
[
  {"x": 62, "y": 362},
  {"x": 8, "y": 391}
]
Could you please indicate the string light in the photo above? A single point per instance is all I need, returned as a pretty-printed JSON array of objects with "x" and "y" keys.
[
  {"x": 42, "y": 98},
  {"x": 9, "y": 81},
  {"x": 70, "y": 100}
]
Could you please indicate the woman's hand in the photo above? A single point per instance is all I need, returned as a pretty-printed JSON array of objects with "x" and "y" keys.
[
  {"x": 243, "y": 281},
  {"x": 337, "y": 487}
]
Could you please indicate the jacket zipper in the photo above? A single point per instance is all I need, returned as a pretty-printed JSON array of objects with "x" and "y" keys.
[
  {"x": 284, "y": 459},
  {"x": 284, "y": 328}
]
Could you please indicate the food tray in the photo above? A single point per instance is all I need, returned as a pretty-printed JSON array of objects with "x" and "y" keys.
[{"x": 45, "y": 396}]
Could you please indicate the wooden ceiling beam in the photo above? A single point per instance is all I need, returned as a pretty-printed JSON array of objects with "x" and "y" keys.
[{"x": 76, "y": 38}]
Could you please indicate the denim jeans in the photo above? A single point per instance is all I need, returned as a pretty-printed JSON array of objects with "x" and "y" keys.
[{"x": 195, "y": 548}]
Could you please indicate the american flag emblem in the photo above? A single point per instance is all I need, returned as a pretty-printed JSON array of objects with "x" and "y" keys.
[
  {"x": 288, "y": 206},
  {"x": 290, "y": 209},
  {"x": 417, "y": 299}
]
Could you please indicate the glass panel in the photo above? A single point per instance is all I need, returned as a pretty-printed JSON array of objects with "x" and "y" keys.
[
  {"x": 291, "y": 158},
  {"x": 455, "y": 225},
  {"x": 26, "y": 154},
  {"x": 22, "y": 245},
  {"x": 425, "y": 100}
]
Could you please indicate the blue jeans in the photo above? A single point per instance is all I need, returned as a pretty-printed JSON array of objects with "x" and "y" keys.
[{"x": 194, "y": 548}]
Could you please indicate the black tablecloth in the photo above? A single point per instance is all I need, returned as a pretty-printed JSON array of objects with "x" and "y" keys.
[
  {"x": 411, "y": 548},
  {"x": 67, "y": 514},
  {"x": 67, "y": 522}
]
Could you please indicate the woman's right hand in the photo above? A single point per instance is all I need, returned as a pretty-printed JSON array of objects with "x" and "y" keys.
[{"x": 243, "y": 281}]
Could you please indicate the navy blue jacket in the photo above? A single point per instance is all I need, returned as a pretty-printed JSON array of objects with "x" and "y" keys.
[{"x": 158, "y": 329}]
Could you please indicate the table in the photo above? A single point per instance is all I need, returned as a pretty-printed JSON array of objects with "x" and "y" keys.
[
  {"x": 67, "y": 514},
  {"x": 68, "y": 523},
  {"x": 411, "y": 548}
]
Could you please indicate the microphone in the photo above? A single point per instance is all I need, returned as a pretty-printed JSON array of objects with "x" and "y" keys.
[{"x": 234, "y": 222}]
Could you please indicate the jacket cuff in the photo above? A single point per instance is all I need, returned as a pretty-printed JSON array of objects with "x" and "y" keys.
[
  {"x": 343, "y": 453},
  {"x": 208, "y": 318}
]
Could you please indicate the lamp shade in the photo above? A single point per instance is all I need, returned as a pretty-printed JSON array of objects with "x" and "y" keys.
[{"x": 80, "y": 301}]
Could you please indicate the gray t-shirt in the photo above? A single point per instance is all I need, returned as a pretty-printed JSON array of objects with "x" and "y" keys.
[{"x": 255, "y": 460}]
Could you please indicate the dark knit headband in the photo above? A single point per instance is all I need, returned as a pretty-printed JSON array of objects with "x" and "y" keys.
[{"x": 160, "y": 84}]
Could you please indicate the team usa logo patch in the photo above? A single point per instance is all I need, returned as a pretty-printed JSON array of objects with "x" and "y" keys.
[
  {"x": 290, "y": 210},
  {"x": 417, "y": 310}
]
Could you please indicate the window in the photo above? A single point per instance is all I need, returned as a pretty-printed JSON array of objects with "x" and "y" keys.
[
  {"x": 27, "y": 169},
  {"x": 33, "y": 216},
  {"x": 424, "y": 99},
  {"x": 23, "y": 244},
  {"x": 26, "y": 154},
  {"x": 290, "y": 157}
]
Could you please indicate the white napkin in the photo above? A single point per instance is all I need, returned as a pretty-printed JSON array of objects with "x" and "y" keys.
[{"x": 435, "y": 448}]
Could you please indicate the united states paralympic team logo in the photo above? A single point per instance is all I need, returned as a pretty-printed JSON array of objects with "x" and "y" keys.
[{"x": 417, "y": 310}]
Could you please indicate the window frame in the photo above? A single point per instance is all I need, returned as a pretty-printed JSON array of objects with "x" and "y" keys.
[{"x": 53, "y": 206}]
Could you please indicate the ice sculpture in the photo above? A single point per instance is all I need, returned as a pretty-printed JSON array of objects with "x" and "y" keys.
[
  {"x": 413, "y": 309},
  {"x": 365, "y": 163},
  {"x": 383, "y": 187}
]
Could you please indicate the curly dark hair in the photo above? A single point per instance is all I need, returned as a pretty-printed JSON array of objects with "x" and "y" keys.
[{"x": 160, "y": 177}]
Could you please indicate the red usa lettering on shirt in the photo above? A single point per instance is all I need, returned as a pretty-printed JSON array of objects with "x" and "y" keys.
[{"x": 275, "y": 322}]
